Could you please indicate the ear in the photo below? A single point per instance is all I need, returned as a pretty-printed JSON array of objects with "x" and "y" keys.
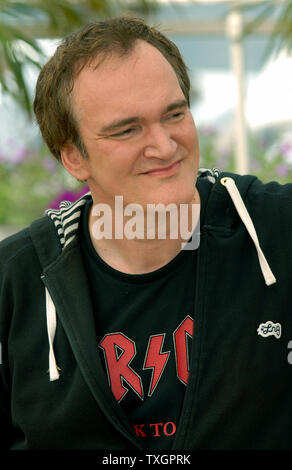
[{"x": 74, "y": 162}]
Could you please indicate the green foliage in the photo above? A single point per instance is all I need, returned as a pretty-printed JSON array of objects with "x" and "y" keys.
[
  {"x": 281, "y": 13},
  {"x": 23, "y": 22},
  {"x": 270, "y": 154},
  {"x": 30, "y": 182}
]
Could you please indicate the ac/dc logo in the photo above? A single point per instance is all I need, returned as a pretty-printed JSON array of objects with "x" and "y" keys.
[{"x": 119, "y": 351}]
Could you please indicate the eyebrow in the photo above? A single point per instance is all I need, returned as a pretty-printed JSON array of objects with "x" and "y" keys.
[{"x": 129, "y": 120}]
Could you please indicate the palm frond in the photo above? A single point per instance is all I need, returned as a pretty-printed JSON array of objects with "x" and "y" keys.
[
  {"x": 23, "y": 22},
  {"x": 281, "y": 13}
]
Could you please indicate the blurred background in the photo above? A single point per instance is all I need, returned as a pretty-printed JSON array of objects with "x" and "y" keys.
[{"x": 239, "y": 56}]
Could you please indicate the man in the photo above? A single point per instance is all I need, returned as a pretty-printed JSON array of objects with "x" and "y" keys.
[{"x": 116, "y": 339}]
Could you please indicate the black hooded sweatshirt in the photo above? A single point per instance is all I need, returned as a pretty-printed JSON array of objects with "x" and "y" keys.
[{"x": 54, "y": 392}]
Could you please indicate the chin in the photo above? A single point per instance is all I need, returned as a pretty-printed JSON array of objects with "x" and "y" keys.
[{"x": 178, "y": 196}]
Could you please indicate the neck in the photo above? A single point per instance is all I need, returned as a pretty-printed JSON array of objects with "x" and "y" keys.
[{"x": 142, "y": 243}]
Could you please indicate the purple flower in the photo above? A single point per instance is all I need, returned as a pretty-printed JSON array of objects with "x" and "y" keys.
[
  {"x": 19, "y": 155},
  {"x": 82, "y": 191},
  {"x": 282, "y": 170},
  {"x": 286, "y": 148},
  {"x": 67, "y": 195}
]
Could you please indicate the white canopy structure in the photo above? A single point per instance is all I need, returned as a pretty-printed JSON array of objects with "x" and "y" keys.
[{"x": 233, "y": 28}]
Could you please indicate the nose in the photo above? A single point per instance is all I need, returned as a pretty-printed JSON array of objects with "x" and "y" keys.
[{"x": 160, "y": 143}]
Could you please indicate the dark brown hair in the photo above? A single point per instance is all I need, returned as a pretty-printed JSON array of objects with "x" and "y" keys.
[{"x": 52, "y": 104}]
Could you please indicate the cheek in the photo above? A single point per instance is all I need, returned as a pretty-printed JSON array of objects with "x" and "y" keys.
[
  {"x": 112, "y": 161},
  {"x": 121, "y": 158},
  {"x": 189, "y": 141},
  {"x": 189, "y": 133}
]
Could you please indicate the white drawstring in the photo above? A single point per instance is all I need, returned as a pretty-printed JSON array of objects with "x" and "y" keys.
[
  {"x": 245, "y": 217},
  {"x": 51, "y": 327}
]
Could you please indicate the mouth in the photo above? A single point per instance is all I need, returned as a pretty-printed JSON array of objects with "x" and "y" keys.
[{"x": 165, "y": 171}]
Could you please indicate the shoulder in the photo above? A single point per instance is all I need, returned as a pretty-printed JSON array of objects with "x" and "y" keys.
[
  {"x": 270, "y": 189},
  {"x": 272, "y": 198},
  {"x": 268, "y": 204},
  {"x": 14, "y": 244},
  {"x": 253, "y": 190},
  {"x": 20, "y": 245}
]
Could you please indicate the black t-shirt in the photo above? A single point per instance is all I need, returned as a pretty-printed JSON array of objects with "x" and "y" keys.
[{"x": 144, "y": 327}]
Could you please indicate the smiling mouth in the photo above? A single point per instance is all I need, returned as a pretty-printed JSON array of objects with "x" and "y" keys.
[{"x": 168, "y": 170}]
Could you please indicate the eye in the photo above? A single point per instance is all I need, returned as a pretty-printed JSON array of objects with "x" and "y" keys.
[
  {"x": 177, "y": 116},
  {"x": 124, "y": 134}
]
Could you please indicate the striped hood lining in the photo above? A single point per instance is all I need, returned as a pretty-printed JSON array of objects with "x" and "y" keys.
[{"x": 66, "y": 218}]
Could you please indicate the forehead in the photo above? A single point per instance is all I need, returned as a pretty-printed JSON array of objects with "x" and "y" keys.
[{"x": 122, "y": 84}]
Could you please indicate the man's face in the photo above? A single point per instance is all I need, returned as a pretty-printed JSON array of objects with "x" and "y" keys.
[{"x": 139, "y": 133}]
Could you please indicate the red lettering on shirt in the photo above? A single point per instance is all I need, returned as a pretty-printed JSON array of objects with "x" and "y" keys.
[
  {"x": 155, "y": 429},
  {"x": 181, "y": 348},
  {"x": 155, "y": 359},
  {"x": 139, "y": 431},
  {"x": 119, "y": 351},
  {"x": 169, "y": 428}
]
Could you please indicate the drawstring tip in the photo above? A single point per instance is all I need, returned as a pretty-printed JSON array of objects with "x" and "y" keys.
[
  {"x": 270, "y": 281},
  {"x": 54, "y": 374}
]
